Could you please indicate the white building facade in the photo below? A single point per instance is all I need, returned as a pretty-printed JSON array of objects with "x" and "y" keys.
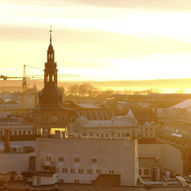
[
  {"x": 119, "y": 127},
  {"x": 83, "y": 160}
]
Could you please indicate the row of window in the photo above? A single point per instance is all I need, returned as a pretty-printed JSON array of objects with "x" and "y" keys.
[
  {"x": 111, "y": 135},
  {"x": 18, "y": 132},
  {"x": 50, "y": 78},
  {"x": 82, "y": 171},
  {"x": 76, "y": 160},
  {"x": 50, "y": 55},
  {"x": 11, "y": 109},
  {"x": 106, "y": 135},
  {"x": 76, "y": 181},
  {"x": 146, "y": 134}
]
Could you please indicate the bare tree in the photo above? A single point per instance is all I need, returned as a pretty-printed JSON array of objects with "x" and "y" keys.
[{"x": 73, "y": 89}]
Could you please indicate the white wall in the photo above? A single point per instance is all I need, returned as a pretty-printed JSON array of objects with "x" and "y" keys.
[
  {"x": 14, "y": 162},
  {"x": 170, "y": 157},
  {"x": 117, "y": 155}
]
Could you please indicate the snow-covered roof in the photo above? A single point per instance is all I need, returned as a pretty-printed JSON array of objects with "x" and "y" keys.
[
  {"x": 117, "y": 121},
  {"x": 127, "y": 120},
  {"x": 183, "y": 105},
  {"x": 108, "y": 123},
  {"x": 88, "y": 105}
]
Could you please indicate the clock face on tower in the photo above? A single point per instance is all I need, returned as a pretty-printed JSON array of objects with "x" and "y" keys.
[{"x": 54, "y": 118}]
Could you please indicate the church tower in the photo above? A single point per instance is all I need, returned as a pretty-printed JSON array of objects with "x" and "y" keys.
[
  {"x": 50, "y": 97},
  {"x": 50, "y": 71},
  {"x": 50, "y": 113}
]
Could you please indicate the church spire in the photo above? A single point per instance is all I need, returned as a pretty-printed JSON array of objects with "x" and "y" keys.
[
  {"x": 50, "y": 71},
  {"x": 50, "y": 52},
  {"x": 50, "y": 34}
]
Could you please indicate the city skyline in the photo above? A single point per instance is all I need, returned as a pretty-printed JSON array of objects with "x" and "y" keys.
[
  {"x": 95, "y": 95},
  {"x": 100, "y": 41}
]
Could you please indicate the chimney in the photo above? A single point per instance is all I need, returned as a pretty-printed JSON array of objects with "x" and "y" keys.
[{"x": 6, "y": 140}]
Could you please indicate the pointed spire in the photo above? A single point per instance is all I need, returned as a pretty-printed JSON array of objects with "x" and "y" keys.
[
  {"x": 50, "y": 34},
  {"x": 50, "y": 48}
]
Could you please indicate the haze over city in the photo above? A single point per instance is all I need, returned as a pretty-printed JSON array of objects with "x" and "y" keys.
[
  {"x": 95, "y": 95},
  {"x": 100, "y": 40}
]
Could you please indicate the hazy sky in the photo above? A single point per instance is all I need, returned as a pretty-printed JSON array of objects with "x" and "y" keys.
[{"x": 100, "y": 39}]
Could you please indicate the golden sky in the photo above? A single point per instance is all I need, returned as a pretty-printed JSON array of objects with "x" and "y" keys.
[{"x": 100, "y": 39}]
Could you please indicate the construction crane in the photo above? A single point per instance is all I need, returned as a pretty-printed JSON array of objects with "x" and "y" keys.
[
  {"x": 24, "y": 84},
  {"x": 25, "y": 78}
]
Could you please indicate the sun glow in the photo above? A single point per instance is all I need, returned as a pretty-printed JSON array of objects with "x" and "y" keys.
[{"x": 99, "y": 42}]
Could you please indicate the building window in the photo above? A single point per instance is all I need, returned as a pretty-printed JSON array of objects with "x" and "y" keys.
[
  {"x": 48, "y": 158},
  {"x": 146, "y": 171},
  {"x": 94, "y": 160},
  {"x": 29, "y": 132},
  {"x": 60, "y": 159},
  {"x": 76, "y": 181},
  {"x": 60, "y": 180},
  {"x": 24, "y": 132},
  {"x": 111, "y": 172},
  {"x": 106, "y": 135},
  {"x": 97, "y": 134},
  {"x": 76, "y": 160},
  {"x": 65, "y": 170},
  {"x": 81, "y": 171},
  {"x": 73, "y": 171},
  {"x": 140, "y": 171},
  {"x": 98, "y": 171},
  {"x": 89, "y": 171}
]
